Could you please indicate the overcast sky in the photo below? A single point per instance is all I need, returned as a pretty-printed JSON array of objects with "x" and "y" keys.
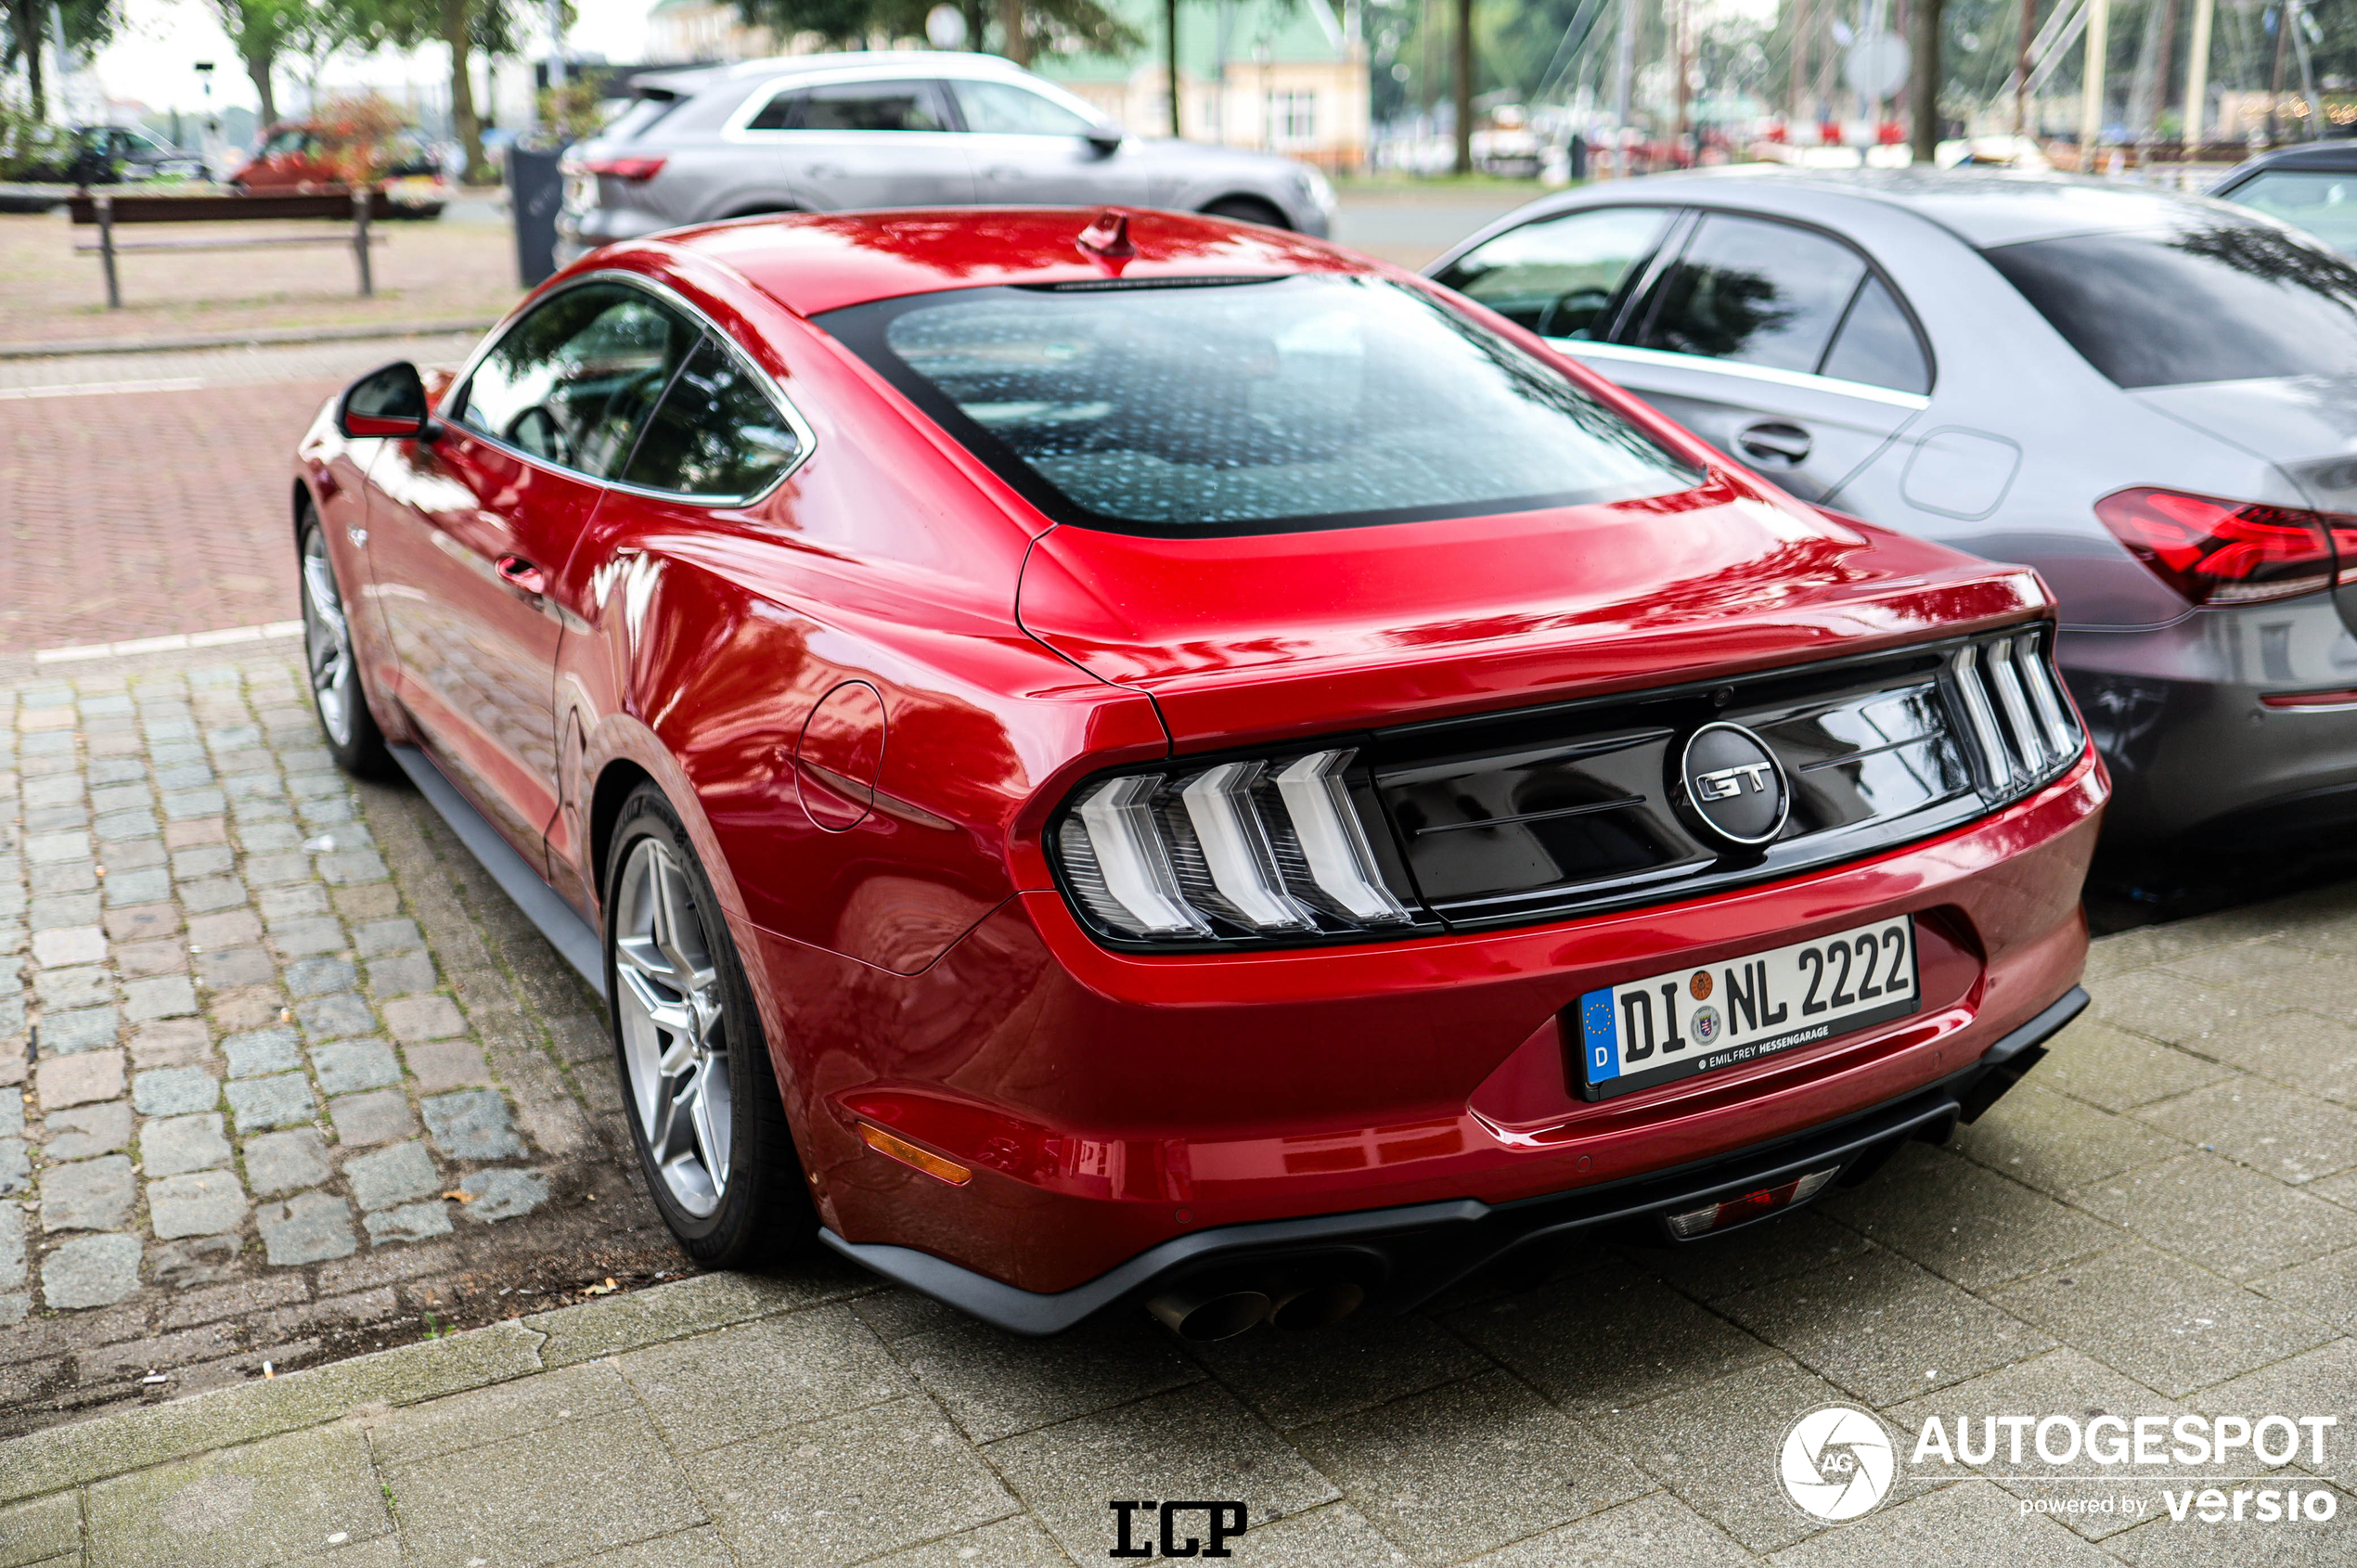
[{"x": 151, "y": 56}]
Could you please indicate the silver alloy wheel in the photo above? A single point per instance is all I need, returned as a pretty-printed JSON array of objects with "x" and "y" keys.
[
  {"x": 674, "y": 1047},
  {"x": 328, "y": 642}
]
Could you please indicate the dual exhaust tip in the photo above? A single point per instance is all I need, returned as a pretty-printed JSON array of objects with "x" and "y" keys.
[{"x": 1219, "y": 1312}]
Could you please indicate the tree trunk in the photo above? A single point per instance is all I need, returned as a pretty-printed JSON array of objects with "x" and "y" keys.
[
  {"x": 2163, "y": 50},
  {"x": 258, "y": 71},
  {"x": 1928, "y": 76},
  {"x": 457, "y": 33},
  {"x": 1464, "y": 86},
  {"x": 1170, "y": 58},
  {"x": 1010, "y": 24},
  {"x": 31, "y": 26}
]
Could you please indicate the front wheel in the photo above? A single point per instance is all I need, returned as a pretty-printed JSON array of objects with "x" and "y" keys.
[
  {"x": 354, "y": 740},
  {"x": 697, "y": 1087}
]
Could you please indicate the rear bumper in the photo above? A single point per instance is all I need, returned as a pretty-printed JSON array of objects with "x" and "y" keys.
[
  {"x": 1405, "y": 1256},
  {"x": 2177, "y": 713},
  {"x": 1108, "y": 1105}
]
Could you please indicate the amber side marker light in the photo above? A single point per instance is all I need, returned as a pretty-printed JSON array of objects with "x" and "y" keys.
[
  {"x": 2345, "y": 698},
  {"x": 908, "y": 1153}
]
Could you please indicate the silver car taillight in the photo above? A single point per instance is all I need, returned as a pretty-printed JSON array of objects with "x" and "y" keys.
[{"x": 1236, "y": 850}]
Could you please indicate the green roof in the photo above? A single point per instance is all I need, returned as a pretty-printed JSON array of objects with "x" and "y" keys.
[{"x": 1289, "y": 29}]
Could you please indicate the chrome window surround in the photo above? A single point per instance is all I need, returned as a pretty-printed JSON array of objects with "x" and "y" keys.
[{"x": 672, "y": 298}]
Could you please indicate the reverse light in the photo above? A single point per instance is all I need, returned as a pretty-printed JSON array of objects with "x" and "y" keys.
[
  {"x": 1241, "y": 848},
  {"x": 1751, "y": 1205},
  {"x": 2215, "y": 551},
  {"x": 631, "y": 169}
]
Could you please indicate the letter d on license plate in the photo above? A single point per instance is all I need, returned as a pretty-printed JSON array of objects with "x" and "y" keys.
[{"x": 1700, "y": 1019}]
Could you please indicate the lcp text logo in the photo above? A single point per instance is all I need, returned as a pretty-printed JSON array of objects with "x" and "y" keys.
[
  {"x": 1837, "y": 1463},
  {"x": 1221, "y": 1521}
]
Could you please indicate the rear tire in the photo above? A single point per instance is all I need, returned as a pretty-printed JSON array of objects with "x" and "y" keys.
[
  {"x": 1247, "y": 210},
  {"x": 339, "y": 694},
  {"x": 697, "y": 1088}
]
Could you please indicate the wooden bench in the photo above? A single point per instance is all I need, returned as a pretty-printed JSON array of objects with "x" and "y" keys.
[{"x": 107, "y": 210}]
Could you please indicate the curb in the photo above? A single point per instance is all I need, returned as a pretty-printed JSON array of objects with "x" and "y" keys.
[
  {"x": 78, "y": 1453},
  {"x": 256, "y": 336}
]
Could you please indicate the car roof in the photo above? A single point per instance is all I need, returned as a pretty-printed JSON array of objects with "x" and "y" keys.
[
  {"x": 814, "y": 261},
  {"x": 849, "y": 63},
  {"x": 1983, "y": 207},
  {"x": 2335, "y": 155}
]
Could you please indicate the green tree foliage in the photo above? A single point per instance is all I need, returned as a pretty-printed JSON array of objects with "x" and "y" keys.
[
  {"x": 1045, "y": 24},
  {"x": 24, "y": 35}
]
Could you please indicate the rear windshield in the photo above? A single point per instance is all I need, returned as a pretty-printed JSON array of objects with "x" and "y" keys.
[
  {"x": 1227, "y": 405},
  {"x": 635, "y": 120},
  {"x": 2221, "y": 302}
]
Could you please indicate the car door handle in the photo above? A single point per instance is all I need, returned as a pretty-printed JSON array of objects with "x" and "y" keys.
[
  {"x": 1774, "y": 442},
  {"x": 521, "y": 574},
  {"x": 823, "y": 171},
  {"x": 1002, "y": 172}
]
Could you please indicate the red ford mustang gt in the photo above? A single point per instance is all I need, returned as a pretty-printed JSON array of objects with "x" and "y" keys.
[{"x": 1146, "y": 758}]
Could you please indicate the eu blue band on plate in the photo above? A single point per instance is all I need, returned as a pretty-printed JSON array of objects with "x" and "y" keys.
[{"x": 1599, "y": 1032}]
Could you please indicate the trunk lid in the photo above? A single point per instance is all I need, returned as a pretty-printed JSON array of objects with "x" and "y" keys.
[
  {"x": 1247, "y": 638},
  {"x": 2304, "y": 426}
]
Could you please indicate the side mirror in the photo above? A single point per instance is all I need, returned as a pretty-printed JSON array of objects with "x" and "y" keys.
[
  {"x": 389, "y": 401},
  {"x": 1107, "y": 139}
]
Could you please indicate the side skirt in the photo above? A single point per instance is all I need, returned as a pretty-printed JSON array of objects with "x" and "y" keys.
[{"x": 573, "y": 938}]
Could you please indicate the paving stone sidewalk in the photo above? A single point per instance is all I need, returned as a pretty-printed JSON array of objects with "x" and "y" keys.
[
  {"x": 2162, "y": 1219},
  {"x": 269, "y": 1082}
]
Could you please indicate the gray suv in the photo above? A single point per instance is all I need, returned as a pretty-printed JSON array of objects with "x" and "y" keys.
[{"x": 827, "y": 133}]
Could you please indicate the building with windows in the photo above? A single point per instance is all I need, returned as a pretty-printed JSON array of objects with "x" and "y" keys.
[{"x": 1285, "y": 77}]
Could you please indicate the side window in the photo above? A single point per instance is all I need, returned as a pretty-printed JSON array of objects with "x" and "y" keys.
[
  {"x": 871, "y": 106},
  {"x": 1559, "y": 275},
  {"x": 283, "y": 143},
  {"x": 1004, "y": 109},
  {"x": 1764, "y": 293},
  {"x": 1877, "y": 344},
  {"x": 777, "y": 114},
  {"x": 718, "y": 433},
  {"x": 572, "y": 382}
]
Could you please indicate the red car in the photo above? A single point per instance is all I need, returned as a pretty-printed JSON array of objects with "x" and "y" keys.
[{"x": 1140, "y": 757}]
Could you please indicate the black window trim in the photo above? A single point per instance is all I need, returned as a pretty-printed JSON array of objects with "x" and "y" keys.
[
  {"x": 454, "y": 399},
  {"x": 1641, "y": 309}
]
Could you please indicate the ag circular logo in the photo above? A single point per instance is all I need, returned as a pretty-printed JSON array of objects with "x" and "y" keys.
[
  {"x": 1837, "y": 1463},
  {"x": 1733, "y": 785}
]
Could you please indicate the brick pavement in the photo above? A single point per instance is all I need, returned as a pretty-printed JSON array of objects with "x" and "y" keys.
[
  {"x": 135, "y": 514},
  {"x": 2162, "y": 1219},
  {"x": 276, "y": 1080}
]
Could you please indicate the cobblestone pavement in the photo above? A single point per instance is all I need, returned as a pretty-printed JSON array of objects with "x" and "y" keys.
[
  {"x": 284, "y": 1076},
  {"x": 2161, "y": 1220},
  {"x": 163, "y": 508}
]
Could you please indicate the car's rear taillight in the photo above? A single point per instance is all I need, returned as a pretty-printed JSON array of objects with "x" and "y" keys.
[
  {"x": 1253, "y": 849},
  {"x": 631, "y": 169},
  {"x": 2214, "y": 552}
]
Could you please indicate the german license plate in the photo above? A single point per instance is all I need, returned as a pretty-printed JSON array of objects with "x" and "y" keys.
[{"x": 1691, "y": 1021}]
